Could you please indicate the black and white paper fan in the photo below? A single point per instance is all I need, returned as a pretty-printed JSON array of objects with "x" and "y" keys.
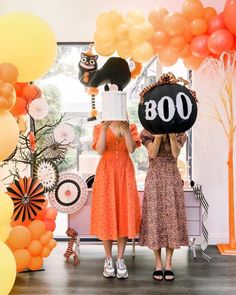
[
  {"x": 90, "y": 181},
  {"x": 53, "y": 149},
  {"x": 70, "y": 194},
  {"x": 46, "y": 172}
]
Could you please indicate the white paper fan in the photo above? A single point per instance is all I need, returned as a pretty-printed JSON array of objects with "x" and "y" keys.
[
  {"x": 64, "y": 133},
  {"x": 38, "y": 108}
]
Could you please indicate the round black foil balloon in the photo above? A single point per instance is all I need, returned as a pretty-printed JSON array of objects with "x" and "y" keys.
[{"x": 167, "y": 108}]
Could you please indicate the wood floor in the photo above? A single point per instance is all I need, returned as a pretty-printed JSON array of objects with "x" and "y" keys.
[{"x": 193, "y": 276}]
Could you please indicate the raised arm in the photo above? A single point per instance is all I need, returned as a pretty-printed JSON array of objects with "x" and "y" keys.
[
  {"x": 129, "y": 141},
  {"x": 101, "y": 142},
  {"x": 175, "y": 147},
  {"x": 153, "y": 147}
]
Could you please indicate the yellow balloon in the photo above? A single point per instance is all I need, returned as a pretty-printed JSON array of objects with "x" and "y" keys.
[
  {"x": 136, "y": 34},
  {"x": 122, "y": 31},
  {"x": 6, "y": 208},
  {"x": 136, "y": 16},
  {"x": 28, "y": 43},
  {"x": 9, "y": 134},
  {"x": 105, "y": 50},
  {"x": 5, "y": 232},
  {"x": 142, "y": 52},
  {"x": 7, "y": 269},
  {"x": 123, "y": 48},
  {"x": 104, "y": 37},
  {"x": 148, "y": 30}
]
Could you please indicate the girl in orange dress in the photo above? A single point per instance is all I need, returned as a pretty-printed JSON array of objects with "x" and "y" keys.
[{"x": 115, "y": 212}]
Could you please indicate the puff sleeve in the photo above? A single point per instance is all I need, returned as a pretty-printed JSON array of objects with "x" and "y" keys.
[
  {"x": 96, "y": 133},
  {"x": 146, "y": 137},
  {"x": 181, "y": 138},
  {"x": 135, "y": 135}
]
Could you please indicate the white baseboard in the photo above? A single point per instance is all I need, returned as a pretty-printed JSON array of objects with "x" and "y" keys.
[{"x": 214, "y": 239}]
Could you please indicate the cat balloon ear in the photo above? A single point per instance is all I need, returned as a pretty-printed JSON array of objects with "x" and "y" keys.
[
  {"x": 95, "y": 57},
  {"x": 106, "y": 88},
  {"x": 82, "y": 54}
]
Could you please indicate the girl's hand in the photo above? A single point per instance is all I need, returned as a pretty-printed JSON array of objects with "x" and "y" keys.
[
  {"x": 158, "y": 136},
  {"x": 105, "y": 125},
  {"x": 172, "y": 135}
]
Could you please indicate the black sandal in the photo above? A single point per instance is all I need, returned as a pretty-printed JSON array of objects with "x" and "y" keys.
[
  {"x": 169, "y": 273},
  {"x": 158, "y": 273}
]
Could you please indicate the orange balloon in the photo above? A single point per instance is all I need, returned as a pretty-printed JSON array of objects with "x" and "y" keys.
[
  {"x": 35, "y": 248},
  {"x": 46, "y": 251},
  {"x": 136, "y": 33},
  {"x": 37, "y": 229},
  {"x": 104, "y": 37},
  {"x": 147, "y": 29},
  {"x": 142, "y": 52},
  {"x": 19, "y": 238},
  {"x": 31, "y": 92},
  {"x": 198, "y": 27},
  {"x": 50, "y": 224},
  {"x": 159, "y": 39},
  {"x": 209, "y": 12},
  {"x": 220, "y": 41},
  {"x": 168, "y": 57},
  {"x": 19, "y": 222},
  {"x": 23, "y": 258},
  {"x": 199, "y": 46},
  {"x": 7, "y": 96},
  {"x": 49, "y": 234},
  {"x": 8, "y": 73},
  {"x": 192, "y": 62},
  {"x": 36, "y": 263},
  {"x": 19, "y": 88},
  {"x": 20, "y": 107},
  {"x": 156, "y": 17},
  {"x": 229, "y": 16},
  {"x": 109, "y": 19},
  {"x": 216, "y": 23},
  {"x": 186, "y": 52},
  {"x": 188, "y": 36},
  {"x": 105, "y": 50},
  {"x": 45, "y": 239},
  {"x": 52, "y": 244},
  {"x": 51, "y": 213},
  {"x": 193, "y": 9},
  {"x": 174, "y": 24},
  {"x": 177, "y": 43}
]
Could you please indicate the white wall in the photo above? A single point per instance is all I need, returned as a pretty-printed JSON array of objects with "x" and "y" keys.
[{"x": 74, "y": 20}]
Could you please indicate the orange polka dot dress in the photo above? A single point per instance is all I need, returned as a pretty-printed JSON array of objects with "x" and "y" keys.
[{"x": 115, "y": 210}]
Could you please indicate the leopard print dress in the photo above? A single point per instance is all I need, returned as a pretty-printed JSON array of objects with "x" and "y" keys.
[{"x": 163, "y": 219}]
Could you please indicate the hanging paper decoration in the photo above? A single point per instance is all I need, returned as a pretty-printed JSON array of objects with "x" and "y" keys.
[
  {"x": 64, "y": 133},
  {"x": 46, "y": 172},
  {"x": 38, "y": 109},
  {"x": 167, "y": 107},
  {"x": 53, "y": 149},
  {"x": 32, "y": 142},
  {"x": 90, "y": 181},
  {"x": 70, "y": 194},
  {"x": 28, "y": 197}
]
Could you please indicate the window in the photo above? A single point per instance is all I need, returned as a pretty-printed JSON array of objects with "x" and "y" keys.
[{"x": 63, "y": 90}]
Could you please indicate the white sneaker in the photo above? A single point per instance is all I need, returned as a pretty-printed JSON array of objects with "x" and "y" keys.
[
  {"x": 108, "y": 271},
  {"x": 122, "y": 272}
]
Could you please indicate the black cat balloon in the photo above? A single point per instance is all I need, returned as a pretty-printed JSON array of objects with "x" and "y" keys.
[{"x": 167, "y": 107}]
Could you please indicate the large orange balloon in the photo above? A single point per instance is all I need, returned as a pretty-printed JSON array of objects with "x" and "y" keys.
[
  {"x": 23, "y": 258},
  {"x": 220, "y": 41},
  {"x": 186, "y": 52},
  {"x": 193, "y": 9},
  {"x": 36, "y": 263},
  {"x": 31, "y": 92},
  {"x": 159, "y": 39},
  {"x": 198, "y": 27},
  {"x": 188, "y": 36},
  {"x": 177, "y": 43},
  {"x": 229, "y": 16},
  {"x": 35, "y": 248},
  {"x": 37, "y": 229},
  {"x": 142, "y": 52},
  {"x": 20, "y": 107},
  {"x": 19, "y": 88},
  {"x": 8, "y": 73},
  {"x": 45, "y": 239},
  {"x": 52, "y": 244},
  {"x": 174, "y": 24},
  {"x": 156, "y": 17},
  {"x": 216, "y": 23},
  {"x": 168, "y": 57},
  {"x": 192, "y": 62},
  {"x": 209, "y": 12},
  {"x": 199, "y": 46},
  {"x": 19, "y": 238},
  {"x": 50, "y": 224}
]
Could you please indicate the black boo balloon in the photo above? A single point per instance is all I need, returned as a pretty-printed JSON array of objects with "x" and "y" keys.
[{"x": 168, "y": 108}]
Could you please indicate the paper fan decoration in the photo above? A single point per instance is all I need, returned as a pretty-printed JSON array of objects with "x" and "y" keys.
[
  {"x": 28, "y": 197},
  {"x": 54, "y": 149},
  {"x": 64, "y": 133},
  {"x": 46, "y": 172},
  {"x": 90, "y": 181},
  {"x": 70, "y": 194},
  {"x": 38, "y": 109}
]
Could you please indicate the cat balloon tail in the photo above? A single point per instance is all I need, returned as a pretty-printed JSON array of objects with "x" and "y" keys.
[{"x": 114, "y": 71}]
